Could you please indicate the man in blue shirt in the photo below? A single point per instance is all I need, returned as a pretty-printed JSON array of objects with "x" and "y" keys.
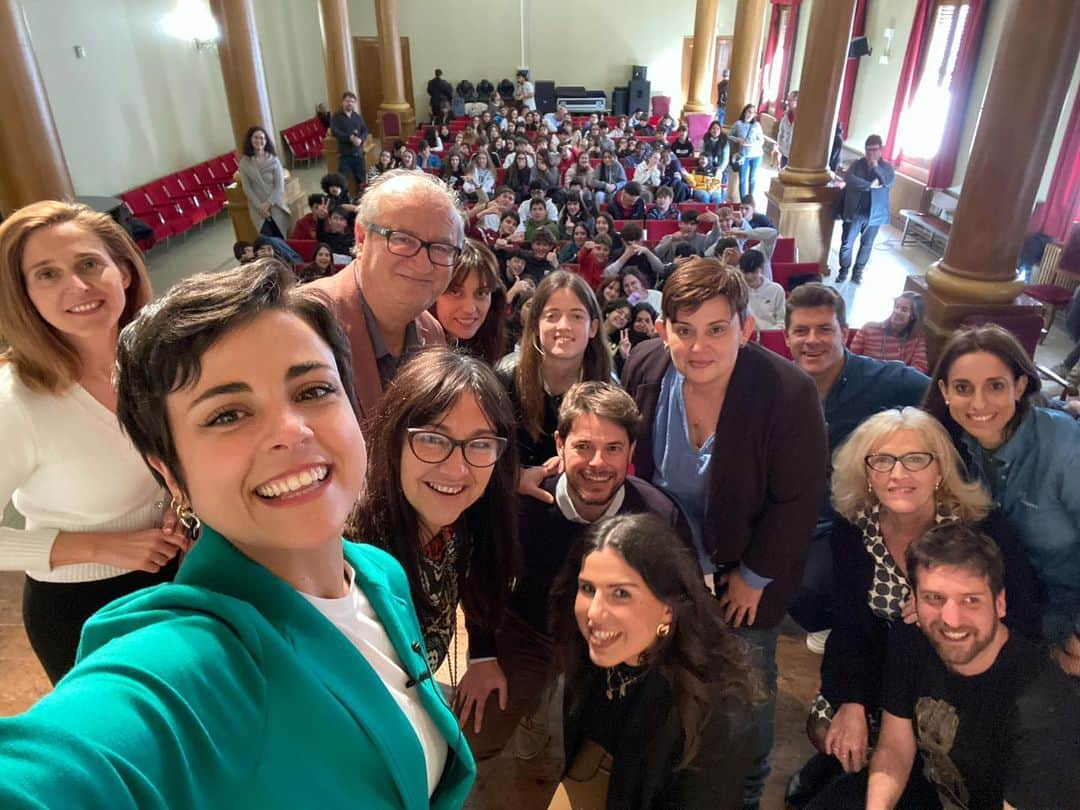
[
  {"x": 865, "y": 201},
  {"x": 851, "y": 387}
]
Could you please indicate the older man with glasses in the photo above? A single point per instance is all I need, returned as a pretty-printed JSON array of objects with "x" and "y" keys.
[{"x": 409, "y": 234}]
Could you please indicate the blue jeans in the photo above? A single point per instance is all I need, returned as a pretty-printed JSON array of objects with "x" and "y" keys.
[
  {"x": 701, "y": 195},
  {"x": 763, "y": 651},
  {"x": 857, "y": 227},
  {"x": 354, "y": 165},
  {"x": 748, "y": 175}
]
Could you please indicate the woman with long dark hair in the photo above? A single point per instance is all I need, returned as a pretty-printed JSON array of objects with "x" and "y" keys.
[
  {"x": 472, "y": 311},
  {"x": 263, "y": 181},
  {"x": 985, "y": 391},
  {"x": 321, "y": 265},
  {"x": 899, "y": 337},
  {"x": 519, "y": 175},
  {"x": 561, "y": 344},
  {"x": 658, "y": 689},
  {"x": 441, "y": 497}
]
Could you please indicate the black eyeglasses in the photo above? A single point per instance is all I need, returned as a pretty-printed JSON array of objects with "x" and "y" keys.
[
  {"x": 405, "y": 244},
  {"x": 913, "y": 462},
  {"x": 433, "y": 447}
]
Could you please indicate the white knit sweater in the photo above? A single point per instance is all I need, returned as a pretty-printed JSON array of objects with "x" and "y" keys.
[{"x": 66, "y": 466}]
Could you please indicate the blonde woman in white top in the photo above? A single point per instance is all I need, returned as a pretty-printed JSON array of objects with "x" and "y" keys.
[{"x": 96, "y": 529}]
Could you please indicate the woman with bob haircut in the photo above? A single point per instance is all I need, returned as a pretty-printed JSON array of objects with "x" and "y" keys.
[
  {"x": 70, "y": 279},
  {"x": 263, "y": 180},
  {"x": 472, "y": 311},
  {"x": 441, "y": 499},
  {"x": 899, "y": 337},
  {"x": 707, "y": 394},
  {"x": 561, "y": 344},
  {"x": 894, "y": 478},
  {"x": 658, "y": 689},
  {"x": 985, "y": 391},
  {"x": 194, "y": 694}
]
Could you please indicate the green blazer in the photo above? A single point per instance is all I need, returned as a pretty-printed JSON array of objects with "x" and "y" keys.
[{"x": 226, "y": 688}]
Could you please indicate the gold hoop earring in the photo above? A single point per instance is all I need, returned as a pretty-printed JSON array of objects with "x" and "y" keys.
[
  {"x": 663, "y": 630},
  {"x": 187, "y": 518}
]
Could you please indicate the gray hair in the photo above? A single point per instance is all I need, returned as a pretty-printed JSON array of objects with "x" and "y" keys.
[{"x": 403, "y": 183}]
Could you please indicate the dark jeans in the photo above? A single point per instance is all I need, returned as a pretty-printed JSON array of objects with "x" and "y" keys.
[
  {"x": 812, "y": 608},
  {"x": 763, "y": 649},
  {"x": 866, "y": 233},
  {"x": 54, "y": 612},
  {"x": 748, "y": 175},
  {"x": 849, "y": 792},
  {"x": 353, "y": 164}
]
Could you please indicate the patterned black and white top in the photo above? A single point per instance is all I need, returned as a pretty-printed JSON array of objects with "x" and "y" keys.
[
  {"x": 888, "y": 590},
  {"x": 439, "y": 580}
]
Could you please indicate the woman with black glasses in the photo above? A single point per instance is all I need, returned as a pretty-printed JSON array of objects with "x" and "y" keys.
[{"x": 441, "y": 497}]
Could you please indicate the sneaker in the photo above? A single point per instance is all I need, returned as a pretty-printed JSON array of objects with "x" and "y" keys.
[
  {"x": 841, "y": 275},
  {"x": 531, "y": 738},
  {"x": 815, "y": 642},
  {"x": 856, "y": 276}
]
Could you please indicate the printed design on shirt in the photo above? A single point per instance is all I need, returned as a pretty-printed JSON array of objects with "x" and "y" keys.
[
  {"x": 936, "y": 724},
  {"x": 439, "y": 580}
]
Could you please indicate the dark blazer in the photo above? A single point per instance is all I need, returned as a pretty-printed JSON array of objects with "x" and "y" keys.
[
  {"x": 767, "y": 479},
  {"x": 853, "y": 668},
  {"x": 646, "y": 742},
  {"x": 343, "y": 288}
]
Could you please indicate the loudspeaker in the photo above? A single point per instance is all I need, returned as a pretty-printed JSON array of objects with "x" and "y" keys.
[
  {"x": 618, "y": 101},
  {"x": 859, "y": 46},
  {"x": 638, "y": 72},
  {"x": 545, "y": 97},
  {"x": 638, "y": 96}
]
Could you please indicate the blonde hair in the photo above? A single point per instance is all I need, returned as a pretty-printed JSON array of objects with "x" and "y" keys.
[
  {"x": 44, "y": 360},
  {"x": 851, "y": 492}
]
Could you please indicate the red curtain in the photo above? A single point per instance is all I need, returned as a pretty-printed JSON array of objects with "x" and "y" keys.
[
  {"x": 770, "y": 51},
  {"x": 851, "y": 70},
  {"x": 769, "y": 54},
  {"x": 789, "y": 58},
  {"x": 921, "y": 27},
  {"x": 944, "y": 163},
  {"x": 1061, "y": 208}
]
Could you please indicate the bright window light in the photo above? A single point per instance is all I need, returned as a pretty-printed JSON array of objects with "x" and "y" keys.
[{"x": 191, "y": 20}]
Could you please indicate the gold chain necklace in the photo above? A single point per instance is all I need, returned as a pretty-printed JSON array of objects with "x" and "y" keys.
[{"x": 618, "y": 681}]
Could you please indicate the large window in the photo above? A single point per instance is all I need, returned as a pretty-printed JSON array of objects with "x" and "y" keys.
[{"x": 923, "y": 122}]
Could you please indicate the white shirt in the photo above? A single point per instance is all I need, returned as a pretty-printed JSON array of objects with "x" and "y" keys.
[
  {"x": 525, "y": 92},
  {"x": 354, "y": 616},
  {"x": 66, "y": 466},
  {"x": 525, "y": 207},
  {"x": 767, "y": 305}
]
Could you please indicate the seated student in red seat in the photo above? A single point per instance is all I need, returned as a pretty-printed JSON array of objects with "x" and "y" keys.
[
  {"x": 307, "y": 227},
  {"x": 663, "y": 207},
  {"x": 593, "y": 258},
  {"x": 627, "y": 203},
  {"x": 636, "y": 255}
]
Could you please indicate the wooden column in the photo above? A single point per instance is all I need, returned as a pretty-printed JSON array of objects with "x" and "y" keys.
[
  {"x": 745, "y": 57},
  {"x": 33, "y": 167},
  {"x": 702, "y": 57},
  {"x": 395, "y": 112},
  {"x": 978, "y": 271},
  {"x": 248, "y": 99},
  {"x": 800, "y": 199},
  {"x": 340, "y": 64}
]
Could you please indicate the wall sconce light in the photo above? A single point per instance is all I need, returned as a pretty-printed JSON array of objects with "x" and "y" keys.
[
  {"x": 192, "y": 21},
  {"x": 887, "y": 35}
]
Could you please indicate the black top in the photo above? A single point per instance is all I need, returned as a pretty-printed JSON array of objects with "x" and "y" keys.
[
  {"x": 1011, "y": 733},
  {"x": 531, "y": 452},
  {"x": 643, "y": 733},
  {"x": 854, "y": 664},
  {"x": 343, "y": 126},
  {"x": 547, "y": 540},
  {"x": 762, "y": 501}
]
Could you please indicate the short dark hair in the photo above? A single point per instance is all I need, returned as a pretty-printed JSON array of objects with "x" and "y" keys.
[
  {"x": 602, "y": 239},
  {"x": 683, "y": 249},
  {"x": 238, "y": 249},
  {"x": 872, "y": 140},
  {"x": 752, "y": 261},
  {"x": 747, "y": 199},
  {"x": 543, "y": 237},
  {"x": 514, "y": 215},
  {"x": 631, "y": 232},
  {"x": 633, "y": 188},
  {"x": 161, "y": 351},
  {"x": 688, "y": 216},
  {"x": 701, "y": 280},
  {"x": 261, "y": 242},
  {"x": 814, "y": 294},
  {"x": 603, "y": 400},
  {"x": 614, "y": 304},
  {"x": 664, "y": 191},
  {"x": 503, "y": 190},
  {"x": 956, "y": 544},
  {"x": 315, "y": 199},
  {"x": 340, "y": 211},
  {"x": 538, "y": 201},
  {"x": 348, "y": 94}
]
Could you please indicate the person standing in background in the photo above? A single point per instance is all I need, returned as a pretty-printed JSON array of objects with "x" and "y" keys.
[
  {"x": 865, "y": 207},
  {"x": 350, "y": 130},
  {"x": 786, "y": 130},
  {"x": 721, "y": 95}
]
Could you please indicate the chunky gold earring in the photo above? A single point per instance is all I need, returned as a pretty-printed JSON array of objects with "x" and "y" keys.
[
  {"x": 663, "y": 630},
  {"x": 187, "y": 519}
]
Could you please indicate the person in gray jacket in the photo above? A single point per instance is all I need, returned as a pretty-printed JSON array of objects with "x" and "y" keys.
[
  {"x": 608, "y": 177},
  {"x": 865, "y": 207}
]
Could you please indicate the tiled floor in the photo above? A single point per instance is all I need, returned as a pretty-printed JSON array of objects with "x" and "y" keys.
[{"x": 508, "y": 782}]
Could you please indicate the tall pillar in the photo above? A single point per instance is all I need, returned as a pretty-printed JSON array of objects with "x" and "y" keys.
[
  {"x": 248, "y": 99},
  {"x": 800, "y": 199},
  {"x": 702, "y": 57},
  {"x": 339, "y": 62},
  {"x": 746, "y": 56},
  {"x": 396, "y": 117},
  {"x": 34, "y": 167},
  {"x": 978, "y": 270}
]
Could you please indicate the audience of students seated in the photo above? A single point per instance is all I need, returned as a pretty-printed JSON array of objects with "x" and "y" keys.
[
  {"x": 307, "y": 227},
  {"x": 605, "y": 226},
  {"x": 636, "y": 255},
  {"x": 898, "y": 338},
  {"x": 338, "y": 236},
  {"x": 749, "y": 218}
]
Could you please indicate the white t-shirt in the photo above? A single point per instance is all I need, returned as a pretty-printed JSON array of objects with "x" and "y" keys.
[
  {"x": 528, "y": 99},
  {"x": 767, "y": 305},
  {"x": 354, "y": 616}
]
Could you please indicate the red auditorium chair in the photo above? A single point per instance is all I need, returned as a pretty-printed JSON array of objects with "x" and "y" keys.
[
  {"x": 773, "y": 340},
  {"x": 169, "y": 209},
  {"x": 782, "y": 272},
  {"x": 784, "y": 251},
  {"x": 184, "y": 199},
  {"x": 305, "y": 247},
  {"x": 139, "y": 205},
  {"x": 657, "y": 229},
  {"x": 622, "y": 223},
  {"x": 194, "y": 185}
]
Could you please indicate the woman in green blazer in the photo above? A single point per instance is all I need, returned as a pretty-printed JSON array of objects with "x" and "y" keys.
[{"x": 284, "y": 667}]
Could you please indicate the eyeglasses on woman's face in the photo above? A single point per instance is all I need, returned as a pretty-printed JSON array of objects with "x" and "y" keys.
[
  {"x": 433, "y": 447},
  {"x": 912, "y": 462}
]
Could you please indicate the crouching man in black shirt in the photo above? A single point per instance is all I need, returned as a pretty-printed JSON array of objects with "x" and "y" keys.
[{"x": 994, "y": 720}]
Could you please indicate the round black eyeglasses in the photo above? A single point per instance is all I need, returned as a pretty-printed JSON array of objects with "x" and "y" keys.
[{"x": 433, "y": 447}]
